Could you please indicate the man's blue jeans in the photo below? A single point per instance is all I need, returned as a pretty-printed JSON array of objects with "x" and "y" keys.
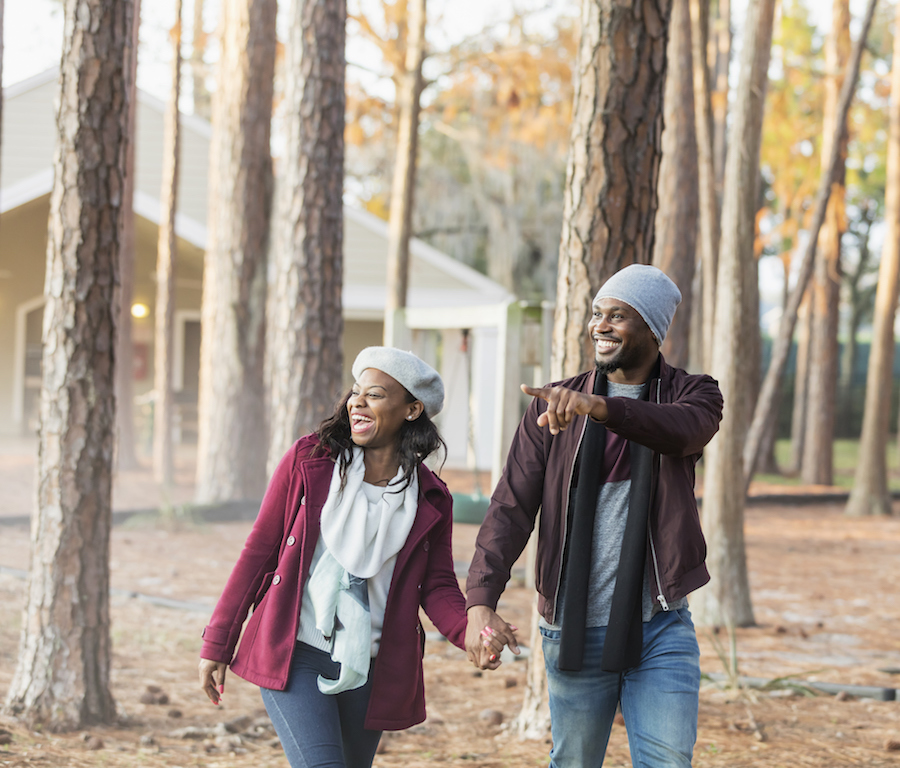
[
  {"x": 318, "y": 730},
  {"x": 659, "y": 697}
]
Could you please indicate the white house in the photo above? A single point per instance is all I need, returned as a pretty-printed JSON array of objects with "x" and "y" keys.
[{"x": 445, "y": 296}]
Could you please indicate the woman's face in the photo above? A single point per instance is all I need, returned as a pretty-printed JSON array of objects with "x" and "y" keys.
[{"x": 377, "y": 407}]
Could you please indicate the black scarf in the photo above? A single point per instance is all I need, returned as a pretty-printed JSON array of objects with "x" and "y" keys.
[{"x": 624, "y": 634}]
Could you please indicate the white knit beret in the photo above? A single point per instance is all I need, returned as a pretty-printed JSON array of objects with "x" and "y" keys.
[{"x": 420, "y": 379}]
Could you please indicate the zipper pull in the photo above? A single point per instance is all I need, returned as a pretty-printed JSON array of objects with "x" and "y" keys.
[{"x": 663, "y": 602}]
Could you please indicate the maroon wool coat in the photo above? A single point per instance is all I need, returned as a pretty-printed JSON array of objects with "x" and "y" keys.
[{"x": 274, "y": 565}]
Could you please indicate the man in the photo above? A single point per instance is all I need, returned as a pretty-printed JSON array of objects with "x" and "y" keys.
[{"x": 608, "y": 457}]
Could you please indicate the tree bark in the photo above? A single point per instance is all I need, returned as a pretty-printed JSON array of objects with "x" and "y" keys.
[
  {"x": 870, "y": 494},
  {"x": 166, "y": 255},
  {"x": 231, "y": 452},
  {"x": 62, "y": 677},
  {"x": 610, "y": 195},
  {"x": 817, "y": 466},
  {"x": 721, "y": 39},
  {"x": 676, "y": 220},
  {"x": 126, "y": 454},
  {"x": 801, "y": 385},
  {"x": 707, "y": 185},
  {"x": 726, "y": 600},
  {"x": 613, "y": 166},
  {"x": 409, "y": 90},
  {"x": 202, "y": 97},
  {"x": 305, "y": 359},
  {"x": 782, "y": 344}
]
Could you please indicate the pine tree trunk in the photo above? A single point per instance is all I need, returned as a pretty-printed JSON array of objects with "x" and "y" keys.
[
  {"x": 126, "y": 455},
  {"x": 63, "y": 673},
  {"x": 409, "y": 90},
  {"x": 676, "y": 220},
  {"x": 726, "y": 600},
  {"x": 305, "y": 359},
  {"x": 613, "y": 166},
  {"x": 721, "y": 39},
  {"x": 709, "y": 221},
  {"x": 166, "y": 255},
  {"x": 817, "y": 467},
  {"x": 610, "y": 196},
  {"x": 231, "y": 452},
  {"x": 782, "y": 344},
  {"x": 801, "y": 387},
  {"x": 870, "y": 494}
]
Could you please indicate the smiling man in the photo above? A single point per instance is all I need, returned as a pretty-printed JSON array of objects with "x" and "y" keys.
[{"x": 608, "y": 457}]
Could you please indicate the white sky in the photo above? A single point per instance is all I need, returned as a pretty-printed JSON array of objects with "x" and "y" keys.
[{"x": 33, "y": 31}]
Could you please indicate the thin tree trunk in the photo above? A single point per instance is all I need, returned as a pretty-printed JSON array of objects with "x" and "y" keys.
[
  {"x": 782, "y": 345},
  {"x": 726, "y": 600},
  {"x": 126, "y": 456},
  {"x": 817, "y": 467},
  {"x": 166, "y": 256},
  {"x": 305, "y": 358},
  {"x": 62, "y": 678},
  {"x": 721, "y": 37},
  {"x": 676, "y": 220},
  {"x": 613, "y": 166},
  {"x": 202, "y": 98},
  {"x": 870, "y": 494},
  {"x": 801, "y": 384},
  {"x": 708, "y": 197},
  {"x": 231, "y": 452},
  {"x": 409, "y": 91}
]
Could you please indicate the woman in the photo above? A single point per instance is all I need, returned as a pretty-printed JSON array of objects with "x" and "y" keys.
[{"x": 353, "y": 535}]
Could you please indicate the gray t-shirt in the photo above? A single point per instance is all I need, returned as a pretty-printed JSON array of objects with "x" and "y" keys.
[{"x": 609, "y": 530}]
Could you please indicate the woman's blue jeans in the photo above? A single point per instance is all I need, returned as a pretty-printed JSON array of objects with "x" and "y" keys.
[
  {"x": 319, "y": 730},
  {"x": 659, "y": 697}
]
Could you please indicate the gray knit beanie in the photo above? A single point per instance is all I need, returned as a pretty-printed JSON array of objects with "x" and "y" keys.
[
  {"x": 649, "y": 290},
  {"x": 420, "y": 379}
]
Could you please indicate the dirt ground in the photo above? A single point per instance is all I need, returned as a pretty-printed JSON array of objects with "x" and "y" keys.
[{"x": 824, "y": 591}]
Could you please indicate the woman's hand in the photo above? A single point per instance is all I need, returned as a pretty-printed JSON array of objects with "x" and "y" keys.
[
  {"x": 212, "y": 679},
  {"x": 486, "y": 634}
]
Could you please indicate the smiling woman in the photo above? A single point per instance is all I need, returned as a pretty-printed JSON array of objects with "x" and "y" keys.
[{"x": 353, "y": 536}]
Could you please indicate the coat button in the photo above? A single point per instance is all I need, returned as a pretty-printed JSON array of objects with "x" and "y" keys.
[
  {"x": 302, "y": 500},
  {"x": 276, "y": 579},
  {"x": 426, "y": 546},
  {"x": 291, "y": 541}
]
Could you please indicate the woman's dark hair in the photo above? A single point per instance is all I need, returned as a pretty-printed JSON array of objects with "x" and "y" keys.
[{"x": 417, "y": 441}]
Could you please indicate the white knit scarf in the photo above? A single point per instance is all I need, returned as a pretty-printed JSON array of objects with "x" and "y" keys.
[{"x": 359, "y": 546}]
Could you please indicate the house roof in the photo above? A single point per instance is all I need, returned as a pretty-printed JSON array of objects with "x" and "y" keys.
[{"x": 436, "y": 279}]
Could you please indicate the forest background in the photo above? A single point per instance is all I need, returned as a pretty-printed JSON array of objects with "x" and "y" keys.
[{"x": 503, "y": 113}]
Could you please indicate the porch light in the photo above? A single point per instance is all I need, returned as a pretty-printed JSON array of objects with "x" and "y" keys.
[{"x": 139, "y": 311}]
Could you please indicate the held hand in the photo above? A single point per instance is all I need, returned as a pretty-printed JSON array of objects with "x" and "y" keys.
[
  {"x": 486, "y": 635},
  {"x": 212, "y": 679},
  {"x": 563, "y": 405}
]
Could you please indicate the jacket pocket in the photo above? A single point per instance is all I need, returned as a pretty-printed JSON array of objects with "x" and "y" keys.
[{"x": 263, "y": 588}]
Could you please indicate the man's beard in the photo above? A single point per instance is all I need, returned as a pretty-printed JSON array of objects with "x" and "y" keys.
[{"x": 604, "y": 369}]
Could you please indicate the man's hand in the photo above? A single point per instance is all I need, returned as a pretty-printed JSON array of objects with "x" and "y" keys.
[
  {"x": 486, "y": 634},
  {"x": 563, "y": 405}
]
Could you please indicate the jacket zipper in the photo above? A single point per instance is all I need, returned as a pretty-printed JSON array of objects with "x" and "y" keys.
[
  {"x": 565, "y": 531},
  {"x": 661, "y": 598}
]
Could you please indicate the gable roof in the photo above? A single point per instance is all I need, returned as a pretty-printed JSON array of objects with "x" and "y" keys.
[{"x": 436, "y": 279}]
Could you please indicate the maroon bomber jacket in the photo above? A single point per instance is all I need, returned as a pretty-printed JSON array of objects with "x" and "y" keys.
[
  {"x": 274, "y": 564},
  {"x": 682, "y": 415}
]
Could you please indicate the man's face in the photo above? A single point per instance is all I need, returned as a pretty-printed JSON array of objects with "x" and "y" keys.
[{"x": 622, "y": 340}]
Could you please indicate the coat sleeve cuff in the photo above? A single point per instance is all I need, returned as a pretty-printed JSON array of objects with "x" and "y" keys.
[
  {"x": 482, "y": 596},
  {"x": 215, "y": 645}
]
